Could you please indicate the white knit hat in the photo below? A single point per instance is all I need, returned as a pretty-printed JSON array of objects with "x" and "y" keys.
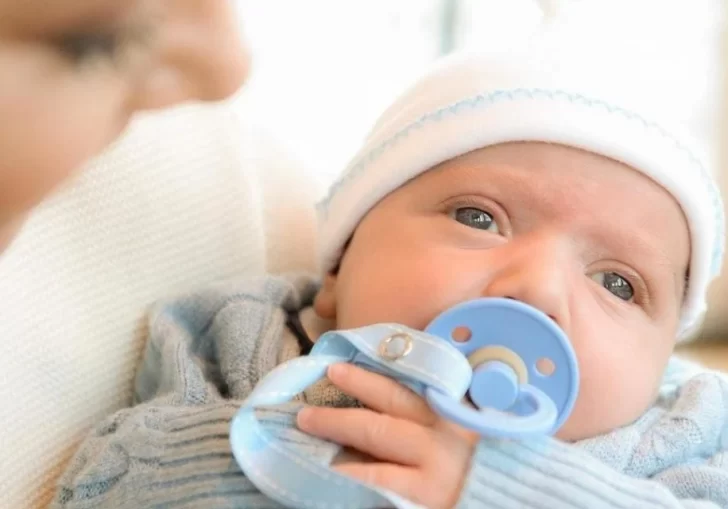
[{"x": 636, "y": 81}]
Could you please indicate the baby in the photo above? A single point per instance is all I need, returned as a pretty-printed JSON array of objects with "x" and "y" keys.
[{"x": 574, "y": 185}]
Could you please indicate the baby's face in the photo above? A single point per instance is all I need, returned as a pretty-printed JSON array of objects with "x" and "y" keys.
[
  {"x": 592, "y": 243},
  {"x": 74, "y": 71}
]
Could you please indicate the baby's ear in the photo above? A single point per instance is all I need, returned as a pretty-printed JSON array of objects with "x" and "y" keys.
[{"x": 325, "y": 302}]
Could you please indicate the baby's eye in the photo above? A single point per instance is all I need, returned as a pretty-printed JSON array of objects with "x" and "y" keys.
[
  {"x": 616, "y": 284},
  {"x": 475, "y": 218}
]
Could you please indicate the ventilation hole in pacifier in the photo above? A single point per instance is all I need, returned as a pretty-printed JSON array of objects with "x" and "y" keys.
[
  {"x": 461, "y": 334},
  {"x": 545, "y": 366}
]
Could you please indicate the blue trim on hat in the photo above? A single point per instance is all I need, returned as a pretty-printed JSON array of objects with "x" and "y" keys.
[{"x": 487, "y": 99}]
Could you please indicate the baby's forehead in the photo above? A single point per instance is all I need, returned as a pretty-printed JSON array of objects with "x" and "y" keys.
[{"x": 529, "y": 166}]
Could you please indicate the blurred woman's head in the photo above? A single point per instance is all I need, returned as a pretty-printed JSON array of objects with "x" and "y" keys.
[{"x": 74, "y": 72}]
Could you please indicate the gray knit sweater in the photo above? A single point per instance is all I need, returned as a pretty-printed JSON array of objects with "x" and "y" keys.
[{"x": 206, "y": 351}]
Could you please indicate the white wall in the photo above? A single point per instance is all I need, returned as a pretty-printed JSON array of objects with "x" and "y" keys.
[
  {"x": 717, "y": 323},
  {"x": 323, "y": 69}
]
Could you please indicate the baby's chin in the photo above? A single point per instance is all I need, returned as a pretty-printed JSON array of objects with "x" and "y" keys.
[
  {"x": 575, "y": 433},
  {"x": 579, "y": 427}
]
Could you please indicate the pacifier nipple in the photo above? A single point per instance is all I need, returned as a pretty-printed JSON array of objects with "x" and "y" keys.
[
  {"x": 497, "y": 374},
  {"x": 495, "y": 385}
]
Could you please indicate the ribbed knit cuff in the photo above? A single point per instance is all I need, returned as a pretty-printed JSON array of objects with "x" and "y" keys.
[
  {"x": 546, "y": 473},
  {"x": 168, "y": 456}
]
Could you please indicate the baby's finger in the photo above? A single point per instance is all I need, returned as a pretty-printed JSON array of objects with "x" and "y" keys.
[
  {"x": 382, "y": 394},
  {"x": 378, "y": 435}
]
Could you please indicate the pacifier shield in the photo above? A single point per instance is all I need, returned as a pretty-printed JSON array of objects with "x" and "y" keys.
[{"x": 505, "y": 331}]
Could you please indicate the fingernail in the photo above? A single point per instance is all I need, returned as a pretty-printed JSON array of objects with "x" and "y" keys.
[
  {"x": 337, "y": 370},
  {"x": 304, "y": 416}
]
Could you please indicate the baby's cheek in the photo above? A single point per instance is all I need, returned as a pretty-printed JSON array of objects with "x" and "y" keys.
[
  {"x": 383, "y": 281},
  {"x": 613, "y": 392}
]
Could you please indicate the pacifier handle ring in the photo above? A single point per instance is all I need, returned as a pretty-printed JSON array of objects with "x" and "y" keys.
[{"x": 491, "y": 422}]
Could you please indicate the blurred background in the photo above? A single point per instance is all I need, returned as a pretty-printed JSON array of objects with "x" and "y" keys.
[{"x": 324, "y": 69}]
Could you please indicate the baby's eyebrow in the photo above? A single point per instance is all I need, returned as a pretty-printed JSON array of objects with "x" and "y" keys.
[
  {"x": 634, "y": 246},
  {"x": 655, "y": 251},
  {"x": 649, "y": 254}
]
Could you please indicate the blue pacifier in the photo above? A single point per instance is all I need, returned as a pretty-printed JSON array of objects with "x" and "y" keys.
[{"x": 525, "y": 376}]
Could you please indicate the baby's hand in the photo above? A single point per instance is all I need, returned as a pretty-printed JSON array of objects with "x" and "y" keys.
[{"x": 417, "y": 454}]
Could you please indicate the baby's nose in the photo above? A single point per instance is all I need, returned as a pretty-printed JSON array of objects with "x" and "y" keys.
[{"x": 536, "y": 273}]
